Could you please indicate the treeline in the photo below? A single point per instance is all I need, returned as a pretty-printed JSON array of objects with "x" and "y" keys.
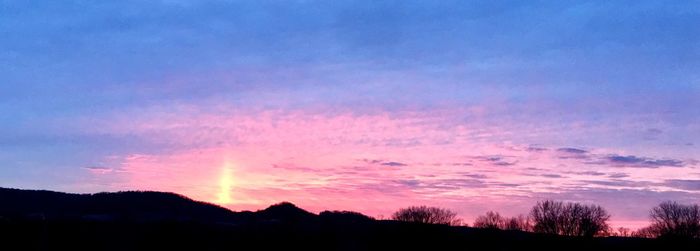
[{"x": 668, "y": 220}]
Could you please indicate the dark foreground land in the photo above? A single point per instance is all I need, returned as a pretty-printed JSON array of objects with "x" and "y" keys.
[{"x": 43, "y": 220}]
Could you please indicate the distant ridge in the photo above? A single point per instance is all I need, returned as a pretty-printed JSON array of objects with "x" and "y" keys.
[
  {"x": 129, "y": 205},
  {"x": 137, "y": 206},
  {"x": 285, "y": 211}
]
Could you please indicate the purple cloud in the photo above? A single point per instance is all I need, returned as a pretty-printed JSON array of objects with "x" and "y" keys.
[
  {"x": 641, "y": 162},
  {"x": 692, "y": 185},
  {"x": 497, "y": 160},
  {"x": 384, "y": 163},
  {"x": 621, "y": 183},
  {"x": 572, "y": 153},
  {"x": 572, "y": 150},
  {"x": 591, "y": 173},
  {"x": 476, "y": 176},
  {"x": 618, "y": 175},
  {"x": 393, "y": 163}
]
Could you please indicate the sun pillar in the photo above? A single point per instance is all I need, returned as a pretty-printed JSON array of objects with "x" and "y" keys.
[{"x": 225, "y": 184}]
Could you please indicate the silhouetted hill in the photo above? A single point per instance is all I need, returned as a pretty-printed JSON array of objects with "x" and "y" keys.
[
  {"x": 132, "y": 206},
  {"x": 347, "y": 217},
  {"x": 45, "y": 220},
  {"x": 285, "y": 211}
]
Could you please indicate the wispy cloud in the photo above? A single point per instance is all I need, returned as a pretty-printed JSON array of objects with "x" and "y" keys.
[
  {"x": 618, "y": 175},
  {"x": 384, "y": 163},
  {"x": 101, "y": 169},
  {"x": 591, "y": 173},
  {"x": 641, "y": 162},
  {"x": 572, "y": 153},
  {"x": 691, "y": 185},
  {"x": 622, "y": 183},
  {"x": 393, "y": 163},
  {"x": 497, "y": 160}
]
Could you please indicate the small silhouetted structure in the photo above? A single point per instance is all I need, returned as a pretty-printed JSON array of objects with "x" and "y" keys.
[{"x": 427, "y": 215}]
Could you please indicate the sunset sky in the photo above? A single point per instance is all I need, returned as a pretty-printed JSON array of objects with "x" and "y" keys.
[{"x": 367, "y": 106}]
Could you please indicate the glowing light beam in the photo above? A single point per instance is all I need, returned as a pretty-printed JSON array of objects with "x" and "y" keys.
[{"x": 225, "y": 184}]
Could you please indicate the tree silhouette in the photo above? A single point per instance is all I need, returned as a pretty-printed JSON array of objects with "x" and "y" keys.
[
  {"x": 521, "y": 223},
  {"x": 546, "y": 216},
  {"x": 623, "y": 232},
  {"x": 646, "y": 232},
  {"x": 674, "y": 220},
  {"x": 572, "y": 219},
  {"x": 427, "y": 215},
  {"x": 491, "y": 220},
  {"x": 494, "y": 220}
]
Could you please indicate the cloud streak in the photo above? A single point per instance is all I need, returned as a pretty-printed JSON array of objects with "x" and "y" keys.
[{"x": 640, "y": 162}]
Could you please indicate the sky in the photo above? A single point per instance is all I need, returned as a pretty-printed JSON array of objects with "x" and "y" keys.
[{"x": 367, "y": 106}]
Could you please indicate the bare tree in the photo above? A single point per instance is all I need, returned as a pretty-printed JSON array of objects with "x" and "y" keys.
[
  {"x": 491, "y": 220},
  {"x": 520, "y": 223},
  {"x": 494, "y": 220},
  {"x": 623, "y": 232},
  {"x": 589, "y": 220},
  {"x": 428, "y": 215},
  {"x": 646, "y": 232},
  {"x": 671, "y": 219},
  {"x": 546, "y": 216},
  {"x": 572, "y": 219}
]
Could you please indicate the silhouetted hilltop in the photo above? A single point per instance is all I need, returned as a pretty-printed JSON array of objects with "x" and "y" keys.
[
  {"x": 345, "y": 217},
  {"x": 131, "y": 206},
  {"x": 286, "y": 212},
  {"x": 138, "y": 206}
]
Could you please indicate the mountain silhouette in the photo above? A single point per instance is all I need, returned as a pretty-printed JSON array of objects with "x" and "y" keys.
[
  {"x": 131, "y": 206},
  {"x": 286, "y": 212},
  {"x": 347, "y": 217}
]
